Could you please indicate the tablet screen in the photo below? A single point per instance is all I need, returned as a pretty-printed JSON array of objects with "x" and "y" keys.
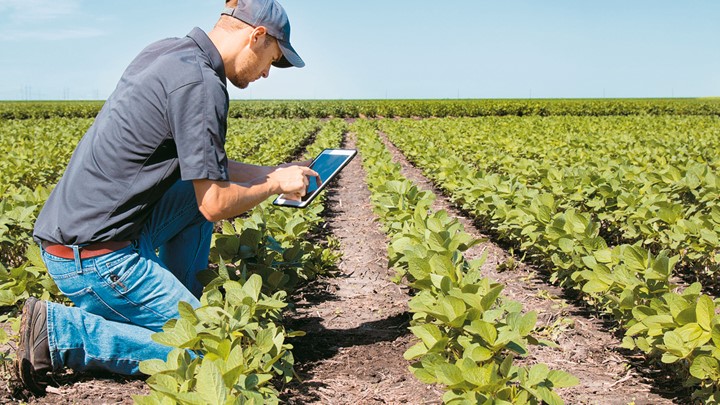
[{"x": 328, "y": 164}]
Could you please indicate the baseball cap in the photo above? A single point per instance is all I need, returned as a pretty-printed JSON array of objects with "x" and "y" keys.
[{"x": 271, "y": 15}]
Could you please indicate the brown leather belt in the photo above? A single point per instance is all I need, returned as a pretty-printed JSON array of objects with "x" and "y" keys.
[{"x": 86, "y": 252}]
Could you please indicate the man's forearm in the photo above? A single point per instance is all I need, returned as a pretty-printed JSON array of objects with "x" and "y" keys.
[
  {"x": 225, "y": 199},
  {"x": 221, "y": 200}
]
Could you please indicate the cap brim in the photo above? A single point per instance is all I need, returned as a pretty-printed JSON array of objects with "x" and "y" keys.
[{"x": 290, "y": 57}]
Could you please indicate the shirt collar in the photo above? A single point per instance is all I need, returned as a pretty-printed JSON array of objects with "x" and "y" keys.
[{"x": 209, "y": 49}]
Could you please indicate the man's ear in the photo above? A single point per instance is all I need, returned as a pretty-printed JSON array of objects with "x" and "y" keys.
[{"x": 257, "y": 36}]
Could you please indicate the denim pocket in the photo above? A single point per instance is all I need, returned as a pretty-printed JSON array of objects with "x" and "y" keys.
[{"x": 116, "y": 267}]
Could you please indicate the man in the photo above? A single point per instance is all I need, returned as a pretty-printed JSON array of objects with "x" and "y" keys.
[{"x": 151, "y": 175}]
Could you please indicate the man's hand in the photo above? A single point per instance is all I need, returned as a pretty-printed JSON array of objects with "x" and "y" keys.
[{"x": 292, "y": 180}]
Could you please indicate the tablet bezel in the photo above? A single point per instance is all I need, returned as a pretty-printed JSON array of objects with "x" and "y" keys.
[{"x": 349, "y": 155}]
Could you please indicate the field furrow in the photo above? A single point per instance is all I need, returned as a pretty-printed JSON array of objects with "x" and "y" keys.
[{"x": 356, "y": 322}]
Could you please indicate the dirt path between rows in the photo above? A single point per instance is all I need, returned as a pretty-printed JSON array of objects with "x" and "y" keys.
[
  {"x": 356, "y": 322},
  {"x": 588, "y": 348}
]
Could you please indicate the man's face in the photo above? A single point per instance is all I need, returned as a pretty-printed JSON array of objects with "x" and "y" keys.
[{"x": 254, "y": 60}]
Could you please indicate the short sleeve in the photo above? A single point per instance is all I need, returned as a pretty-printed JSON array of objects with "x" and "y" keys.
[{"x": 197, "y": 115}]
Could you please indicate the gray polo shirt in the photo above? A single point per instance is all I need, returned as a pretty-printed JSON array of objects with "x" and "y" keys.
[{"x": 166, "y": 120}]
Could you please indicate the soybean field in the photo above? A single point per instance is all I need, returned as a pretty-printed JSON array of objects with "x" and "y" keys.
[{"x": 475, "y": 252}]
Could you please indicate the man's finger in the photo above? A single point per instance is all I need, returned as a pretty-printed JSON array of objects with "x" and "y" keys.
[{"x": 309, "y": 172}]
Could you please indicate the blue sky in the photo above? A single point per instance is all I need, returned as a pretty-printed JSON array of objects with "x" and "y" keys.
[{"x": 77, "y": 49}]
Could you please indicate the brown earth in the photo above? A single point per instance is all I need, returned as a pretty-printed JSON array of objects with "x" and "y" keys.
[{"x": 356, "y": 326}]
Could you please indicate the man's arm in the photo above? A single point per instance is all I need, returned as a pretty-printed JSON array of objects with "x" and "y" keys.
[{"x": 226, "y": 199}]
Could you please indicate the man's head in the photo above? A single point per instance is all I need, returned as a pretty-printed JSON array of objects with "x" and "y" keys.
[
  {"x": 253, "y": 35},
  {"x": 271, "y": 15}
]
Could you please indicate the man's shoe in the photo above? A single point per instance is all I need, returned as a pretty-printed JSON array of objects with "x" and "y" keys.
[{"x": 33, "y": 354}]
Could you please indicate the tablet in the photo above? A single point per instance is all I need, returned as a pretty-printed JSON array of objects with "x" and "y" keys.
[{"x": 327, "y": 164}]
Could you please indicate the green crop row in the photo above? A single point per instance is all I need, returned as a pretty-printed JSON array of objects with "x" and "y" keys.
[
  {"x": 647, "y": 180},
  {"x": 469, "y": 333},
  {"x": 400, "y": 108},
  {"x": 669, "y": 324}
]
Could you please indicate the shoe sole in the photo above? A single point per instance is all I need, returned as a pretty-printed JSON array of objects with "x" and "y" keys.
[{"x": 24, "y": 366}]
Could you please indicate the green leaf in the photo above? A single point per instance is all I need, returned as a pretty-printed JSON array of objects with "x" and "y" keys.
[
  {"x": 549, "y": 397},
  {"x": 182, "y": 335},
  {"x": 187, "y": 312},
  {"x": 506, "y": 365},
  {"x": 704, "y": 312},
  {"x": 668, "y": 358},
  {"x": 628, "y": 343},
  {"x": 635, "y": 258},
  {"x": 453, "y": 308},
  {"x": 164, "y": 383},
  {"x": 489, "y": 299},
  {"x": 527, "y": 323},
  {"x": 152, "y": 366},
  {"x": 485, "y": 330},
  {"x": 644, "y": 345},
  {"x": 595, "y": 286},
  {"x": 537, "y": 374},
  {"x": 264, "y": 339},
  {"x": 419, "y": 268},
  {"x": 442, "y": 283},
  {"x": 415, "y": 351},
  {"x": 480, "y": 354},
  {"x": 236, "y": 358},
  {"x": 252, "y": 286},
  {"x": 449, "y": 374},
  {"x": 7, "y": 298},
  {"x": 191, "y": 398},
  {"x": 442, "y": 265},
  {"x": 428, "y": 333},
  {"x": 210, "y": 385},
  {"x": 603, "y": 256},
  {"x": 705, "y": 367},
  {"x": 674, "y": 344},
  {"x": 562, "y": 379},
  {"x": 227, "y": 228},
  {"x": 422, "y": 374},
  {"x": 478, "y": 376}
]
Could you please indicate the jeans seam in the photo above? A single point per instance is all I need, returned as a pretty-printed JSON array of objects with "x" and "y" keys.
[{"x": 52, "y": 341}]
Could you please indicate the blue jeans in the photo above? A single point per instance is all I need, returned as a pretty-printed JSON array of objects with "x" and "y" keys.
[{"x": 123, "y": 297}]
